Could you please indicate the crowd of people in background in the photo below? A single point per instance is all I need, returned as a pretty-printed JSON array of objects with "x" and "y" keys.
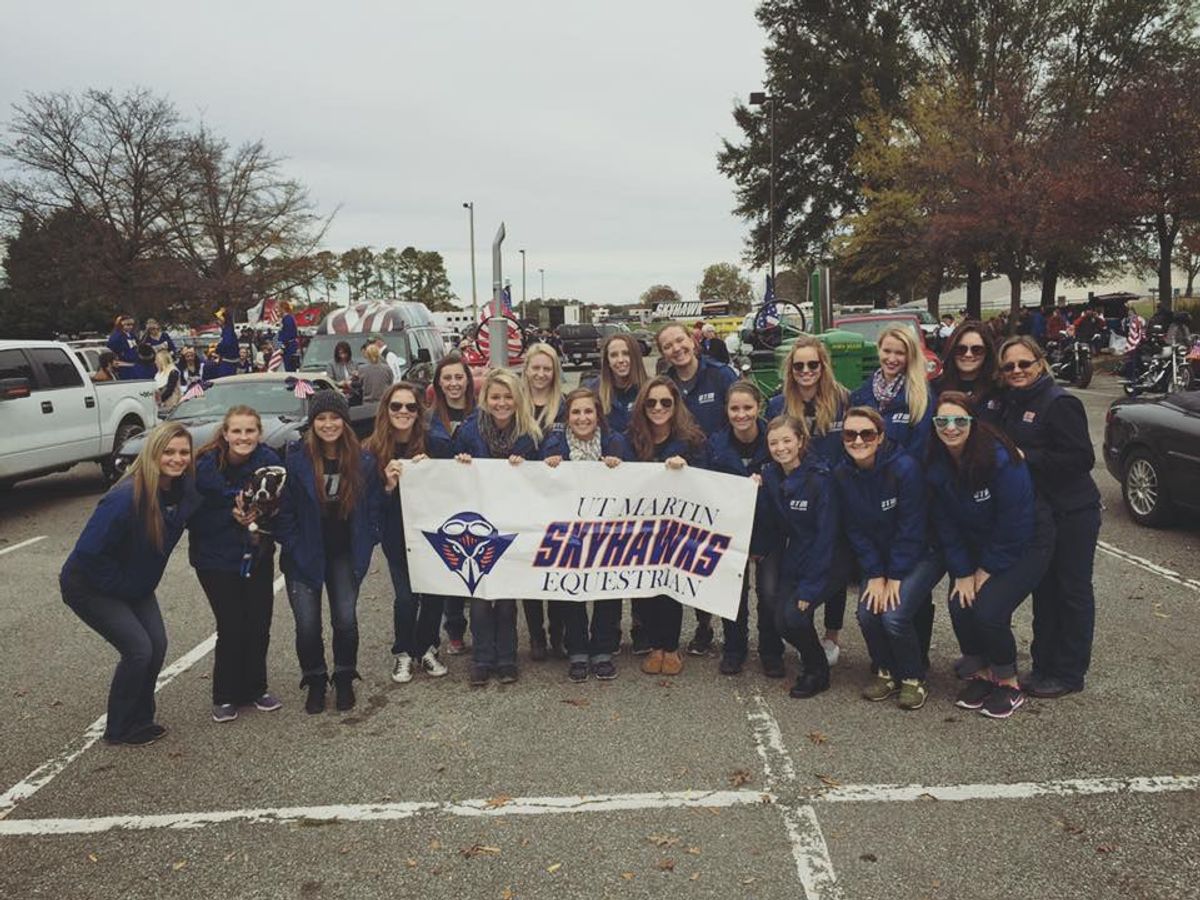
[{"x": 868, "y": 494}]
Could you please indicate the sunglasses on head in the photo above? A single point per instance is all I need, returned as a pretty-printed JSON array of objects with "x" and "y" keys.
[
  {"x": 397, "y": 406},
  {"x": 941, "y": 423},
  {"x": 867, "y": 436},
  {"x": 970, "y": 350},
  {"x": 1021, "y": 364},
  {"x": 665, "y": 402},
  {"x": 811, "y": 365}
]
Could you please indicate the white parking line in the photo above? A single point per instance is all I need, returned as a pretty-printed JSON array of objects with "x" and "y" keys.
[
  {"x": 1022, "y": 790},
  {"x": 32, "y": 540},
  {"x": 1155, "y": 569},
  {"x": 52, "y": 768}
]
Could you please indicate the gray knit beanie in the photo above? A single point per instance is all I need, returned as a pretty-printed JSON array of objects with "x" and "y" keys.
[{"x": 328, "y": 401}]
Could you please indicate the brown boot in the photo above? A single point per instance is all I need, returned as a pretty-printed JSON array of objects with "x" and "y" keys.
[
  {"x": 653, "y": 663},
  {"x": 672, "y": 663}
]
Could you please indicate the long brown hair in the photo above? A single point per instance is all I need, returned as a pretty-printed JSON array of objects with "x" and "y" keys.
[
  {"x": 441, "y": 408},
  {"x": 830, "y": 395},
  {"x": 382, "y": 442},
  {"x": 218, "y": 444},
  {"x": 348, "y": 454},
  {"x": 683, "y": 426},
  {"x": 978, "y": 462},
  {"x": 608, "y": 380},
  {"x": 146, "y": 475},
  {"x": 986, "y": 379}
]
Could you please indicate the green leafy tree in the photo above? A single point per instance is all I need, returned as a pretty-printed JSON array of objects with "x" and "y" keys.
[
  {"x": 659, "y": 293},
  {"x": 725, "y": 281},
  {"x": 422, "y": 277},
  {"x": 358, "y": 271}
]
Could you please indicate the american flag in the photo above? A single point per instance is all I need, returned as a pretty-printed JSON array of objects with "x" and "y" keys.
[
  {"x": 275, "y": 363},
  {"x": 768, "y": 314}
]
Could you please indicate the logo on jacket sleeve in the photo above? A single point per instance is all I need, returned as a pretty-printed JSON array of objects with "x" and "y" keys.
[
  {"x": 901, "y": 418},
  {"x": 889, "y": 503},
  {"x": 469, "y": 545},
  {"x": 1029, "y": 416},
  {"x": 706, "y": 398},
  {"x": 983, "y": 496},
  {"x": 799, "y": 505}
]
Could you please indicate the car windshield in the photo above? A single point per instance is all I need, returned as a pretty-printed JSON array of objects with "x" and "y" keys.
[
  {"x": 872, "y": 328},
  {"x": 269, "y": 398},
  {"x": 320, "y": 350}
]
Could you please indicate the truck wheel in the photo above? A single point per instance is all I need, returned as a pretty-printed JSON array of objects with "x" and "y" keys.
[
  {"x": 1143, "y": 489},
  {"x": 1083, "y": 375},
  {"x": 127, "y": 429}
]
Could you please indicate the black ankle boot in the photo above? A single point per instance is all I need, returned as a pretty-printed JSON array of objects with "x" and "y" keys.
[
  {"x": 315, "y": 703},
  {"x": 343, "y": 687}
]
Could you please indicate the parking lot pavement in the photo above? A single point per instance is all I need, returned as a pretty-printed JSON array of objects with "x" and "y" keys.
[{"x": 700, "y": 786}]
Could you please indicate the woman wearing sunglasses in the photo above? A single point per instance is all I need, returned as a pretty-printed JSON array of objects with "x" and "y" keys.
[
  {"x": 996, "y": 541},
  {"x": 1049, "y": 427},
  {"x": 813, "y": 395},
  {"x": 801, "y": 509},
  {"x": 741, "y": 449},
  {"x": 662, "y": 430},
  {"x": 969, "y": 366},
  {"x": 587, "y": 438},
  {"x": 399, "y": 437},
  {"x": 882, "y": 493}
]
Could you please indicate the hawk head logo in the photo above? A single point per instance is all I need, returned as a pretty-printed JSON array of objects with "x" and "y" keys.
[{"x": 469, "y": 545}]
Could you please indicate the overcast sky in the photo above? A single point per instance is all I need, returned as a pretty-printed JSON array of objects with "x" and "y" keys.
[{"x": 590, "y": 128}]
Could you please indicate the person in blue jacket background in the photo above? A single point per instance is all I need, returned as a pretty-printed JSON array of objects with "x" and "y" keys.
[
  {"x": 227, "y": 346},
  {"x": 622, "y": 374},
  {"x": 741, "y": 449},
  {"x": 503, "y": 427},
  {"x": 801, "y": 519},
  {"x": 124, "y": 343},
  {"x": 996, "y": 540},
  {"x": 587, "y": 438},
  {"x": 289, "y": 338},
  {"x": 237, "y": 576},
  {"x": 111, "y": 575},
  {"x": 881, "y": 489},
  {"x": 399, "y": 438},
  {"x": 662, "y": 430},
  {"x": 813, "y": 395},
  {"x": 157, "y": 338},
  {"x": 702, "y": 383},
  {"x": 453, "y": 403},
  {"x": 327, "y": 527}
]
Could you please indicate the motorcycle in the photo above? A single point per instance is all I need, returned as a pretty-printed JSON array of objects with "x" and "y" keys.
[
  {"x": 1166, "y": 369},
  {"x": 1070, "y": 360}
]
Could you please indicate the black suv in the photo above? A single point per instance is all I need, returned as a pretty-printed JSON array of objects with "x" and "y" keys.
[{"x": 580, "y": 344}]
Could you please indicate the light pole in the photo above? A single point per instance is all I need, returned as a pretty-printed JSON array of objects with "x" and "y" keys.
[
  {"x": 474, "y": 297},
  {"x": 522, "y": 252},
  {"x": 542, "y": 272},
  {"x": 759, "y": 98}
]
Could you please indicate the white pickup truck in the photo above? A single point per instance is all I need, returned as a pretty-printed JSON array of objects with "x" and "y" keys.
[{"x": 53, "y": 416}]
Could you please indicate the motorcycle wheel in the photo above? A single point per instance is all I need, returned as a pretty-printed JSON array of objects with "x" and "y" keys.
[{"x": 1083, "y": 373}]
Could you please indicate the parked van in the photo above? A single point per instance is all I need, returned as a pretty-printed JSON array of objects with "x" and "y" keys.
[{"x": 407, "y": 328}]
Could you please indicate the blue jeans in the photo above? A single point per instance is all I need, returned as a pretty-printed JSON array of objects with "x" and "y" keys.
[
  {"x": 343, "y": 615},
  {"x": 456, "y": 617},
  {"x": 494, "y": 632},
  {"x": 605, "y": 631},
  {"x": 415, "y": 617},
  {"x": 1064, "y": 604},
  {"x": 984, "y": 629},
  {"x": 135, "y": 628},
  {"x": 892, "y": 636}
]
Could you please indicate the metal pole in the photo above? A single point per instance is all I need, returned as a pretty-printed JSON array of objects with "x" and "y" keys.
[
  {"x": 542, "y": 272},
  {"x": 474, "y": 294},
  {"x": 498, "y": 324},
  {"x": 522, "y": 284},
  {"x": 771, "y": 103}
]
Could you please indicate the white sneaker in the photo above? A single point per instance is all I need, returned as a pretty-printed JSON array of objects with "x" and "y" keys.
[
  {"x": 832, "y": 651},
  {"x": 432, "y": 665},
  {"x": 402, "y": 672}
]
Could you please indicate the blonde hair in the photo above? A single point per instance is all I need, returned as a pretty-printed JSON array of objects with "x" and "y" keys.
[
  {"x": 916, "y": 386},
  {"x": 549, "y": 414},
  {"x": 371, "y": 352},
  {"x": 830, "y": 394},
  {"x": 146, "y": 476},
  {"x": 162, "y": 359},
  {"x": 525, "y": 422}
]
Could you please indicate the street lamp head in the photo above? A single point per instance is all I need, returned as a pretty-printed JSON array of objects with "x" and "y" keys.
[
  {"x": 758, "y": 98},
  {"x": 468, "y": 205}
]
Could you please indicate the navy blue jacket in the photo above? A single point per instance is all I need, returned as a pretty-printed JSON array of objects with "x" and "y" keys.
[
  {"x": 113, "y": 554},
  {"x": 986, "y": 399},
  {"x": 439, "y": 441},
  {"x": 120, "y": 344},
  {"x": 289, "y": 335},
  {"x": 611, "y": 444},
  {"x": 706, "y": 399},
  {"x": 1050, "y": 427},
  {"x": 622, "y": 405},
  {"x": 164, "y": 342},
  {"x": 721, "y": 456},
  {"x": 469, "y": 439},
  {"x": 227, "y": 350},
  {"x": 215, "y": 540},
  {"x": 828, "y": 445},
  {"x": 298, "y": 526},
  {"x": 802, "y": 510},
  {"x": 883, "y": 512},
  {"x": 897, "y": 421},
  {"x": 989, "y": 528}
]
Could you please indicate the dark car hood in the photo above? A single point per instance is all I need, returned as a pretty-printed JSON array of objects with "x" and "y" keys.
[{"x": 277, "y": 431}]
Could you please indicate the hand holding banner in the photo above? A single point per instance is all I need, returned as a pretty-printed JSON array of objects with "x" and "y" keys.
[{"x": 580, "y": 531}]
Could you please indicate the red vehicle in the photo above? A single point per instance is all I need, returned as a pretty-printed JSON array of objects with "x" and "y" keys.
[{"x": 871, "y": 325}]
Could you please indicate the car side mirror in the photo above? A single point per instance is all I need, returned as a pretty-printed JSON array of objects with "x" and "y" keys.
[
  {"x": 423, "y": 355},
  {"x": 14, "y": 388}
]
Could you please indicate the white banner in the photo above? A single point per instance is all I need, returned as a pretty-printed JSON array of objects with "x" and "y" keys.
[{"x": 581, "y": 531}]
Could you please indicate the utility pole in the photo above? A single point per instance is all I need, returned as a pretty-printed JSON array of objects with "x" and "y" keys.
[
  {"x": 474, "y": 295},
  {"x": 522, "y": 252}
]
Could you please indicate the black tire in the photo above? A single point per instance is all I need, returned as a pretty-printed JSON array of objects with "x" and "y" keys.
[
  {"x": 1083, "y": 374},
  {"x": 1183, "y": 380},
  {"x": 127, "y": 429},
  {"x": 1143, "y": 490}
]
